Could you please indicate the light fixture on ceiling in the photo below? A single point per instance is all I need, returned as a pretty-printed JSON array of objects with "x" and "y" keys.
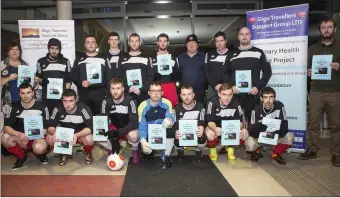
[
  {"x": 162, "y": 2},
  {"x": 209, "y": 25},
  {"x": 163, "y": 16}
]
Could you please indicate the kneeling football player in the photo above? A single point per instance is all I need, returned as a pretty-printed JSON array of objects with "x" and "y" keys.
[
  {"x": 73, "y": 115},
  {"x": 122, "y": 113},
  {"x": 156, "y": 110},
  {"x": 270, "y": 108},
  {"x": 223, "y": 107},
  {"x": 14, "y": 137},
  {"x": 190, "y": 109}
]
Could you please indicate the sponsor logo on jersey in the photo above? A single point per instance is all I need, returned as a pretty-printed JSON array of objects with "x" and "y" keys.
[
  {"x": 5, "y": 72},
  {"x": 226, "y": 113}
]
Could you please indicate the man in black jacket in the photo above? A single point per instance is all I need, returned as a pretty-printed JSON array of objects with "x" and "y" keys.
[{"x": 270, "y": 108}]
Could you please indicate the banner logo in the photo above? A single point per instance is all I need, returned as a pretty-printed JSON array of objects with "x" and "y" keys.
[
  {"x": 30, "y": 32},
  {"x": 302, "y": 14},
  {"x": 252, "y": 20}
]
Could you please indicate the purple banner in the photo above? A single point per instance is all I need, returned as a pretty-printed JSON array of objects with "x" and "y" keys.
[
  {"x": 299, "y": 139},
  {"x": 278, "y": 22}
]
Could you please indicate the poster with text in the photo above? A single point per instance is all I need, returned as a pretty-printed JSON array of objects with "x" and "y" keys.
[
  {"x": 282, "y": 33},
  {"x": 34, "y": 36}
]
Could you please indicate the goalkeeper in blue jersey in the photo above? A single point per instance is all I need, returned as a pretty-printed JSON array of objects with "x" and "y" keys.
[{"x": 156, "y": 110}]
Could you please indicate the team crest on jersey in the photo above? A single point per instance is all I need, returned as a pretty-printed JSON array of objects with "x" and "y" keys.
[
  {"x": 261, "y": 116},
  {"x": 62, "y": 116},
  {"x": 212, "y": 56},
  {"x": 181, "y": 113},
  {"x": 217, "y": 109},
  {"x": 125, "y": 59},
  {"x": 44, "y": 66},
  {"x": 82, "y": 58},
  {"x": 5, "y": 72},
  {"x": 18, "y": 111}
]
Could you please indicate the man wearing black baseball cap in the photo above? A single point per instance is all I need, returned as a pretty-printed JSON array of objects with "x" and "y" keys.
[{"x": 191, "y": 65}]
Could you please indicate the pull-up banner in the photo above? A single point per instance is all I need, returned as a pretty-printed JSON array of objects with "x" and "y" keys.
[
  {"x": 35, "y": 34},
  {"x": 282, "y": 33}
]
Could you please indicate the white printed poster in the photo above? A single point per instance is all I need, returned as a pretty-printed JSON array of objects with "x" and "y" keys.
[
  {"x": 34, "y": 36},
  {"x": 282, "y": 33}
]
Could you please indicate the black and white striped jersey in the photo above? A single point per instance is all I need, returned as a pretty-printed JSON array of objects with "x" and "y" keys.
[
  {"x": 78, "y": 120},
  {"x": 129, "y": 66},
  {"x": 213, "y": 67},
  {"x": 252, "y": 59},
  {"x": 111, "y": 65},
  {"x": 197, "y": 112},
  {"x": 113, "y": 58},
  {"x": 162, "y": 73},
  {"x": 58, "y": 68},
  {"x": 277, "y": 112},
  {"x": 18, "y": 113},
  {"x": 123, "y": 115},
  {"x": 79, "y": 71},
  {"x": 217, "y": 112}
]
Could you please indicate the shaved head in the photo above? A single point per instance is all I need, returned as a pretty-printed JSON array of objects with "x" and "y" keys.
[{"x": 244, "y": 37}]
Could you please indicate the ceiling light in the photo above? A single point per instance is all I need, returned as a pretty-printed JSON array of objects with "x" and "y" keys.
[
  {"x": 163, "y": 16},
  {"x": 162, "y": 2}
]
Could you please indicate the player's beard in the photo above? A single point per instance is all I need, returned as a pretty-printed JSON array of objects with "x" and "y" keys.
[
  {"x": 117, "y": 96},
  {"x": 327, "y": 36},
  {"x": 162, "y": 49},
  {"x": 188, "y": 103},
  {"x": 268, "y": 105},
  {"x": 245, "y": 42},
  {"x": 54, "y": 55}
]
